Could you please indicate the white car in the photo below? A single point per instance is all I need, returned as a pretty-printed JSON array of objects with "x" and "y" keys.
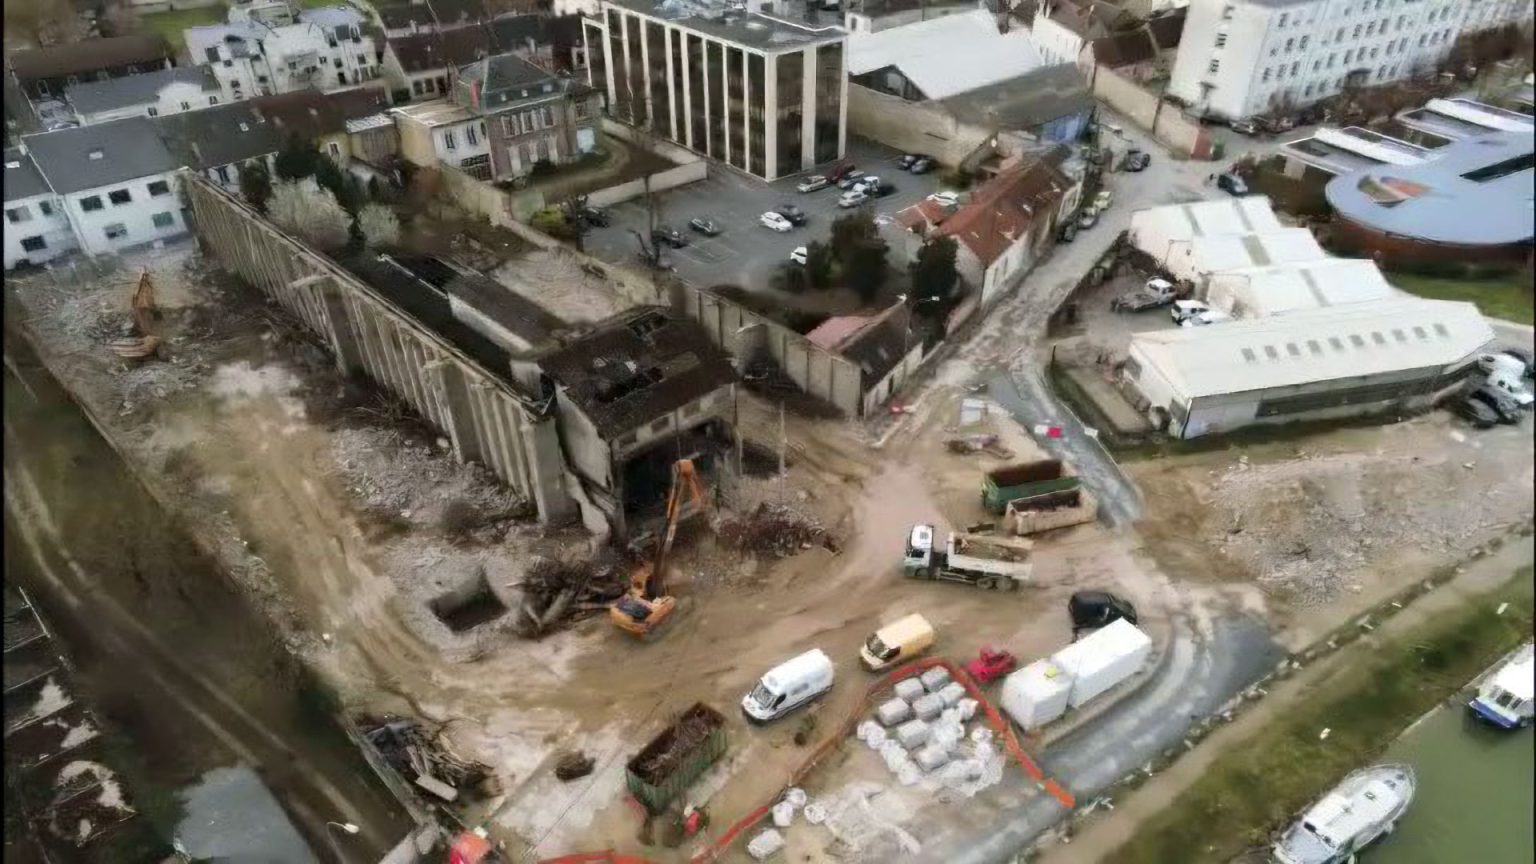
[
  {"x": 814, "y": 182},
  {"x": 776, "y": 221},
  {"x": 946, "y": 198},
  {"x": 853, "y": 198},
  {"x": 1193, "y": 313},
  {"x": 798, "y": 256}
]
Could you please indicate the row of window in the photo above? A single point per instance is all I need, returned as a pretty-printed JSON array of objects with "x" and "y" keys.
[
  {"x": 18, "y": 215},
  {"x": 114, "y": 231},
  {"x": 185, "y": 106},
  {"x": 523, "y": 122},
  {"x": 119, "y": 197},
  {"x": 451, "y": 139}
]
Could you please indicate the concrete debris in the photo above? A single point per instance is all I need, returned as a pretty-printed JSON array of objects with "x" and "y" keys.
[
  {"x": 912, "y": 733},
  {"x": 952, "y": 693},
  {"x": 909, "y": 688},
  {"x": 773, "y": 530},
  {"x": 934, "y": 679},
  {"x": 931, "y": 757},
  {"x": 555, "y": 591},
  {"x": 391, "y": 474},
  {"x": 893, "y": 712},
  {"x": 815, "y": 813},
  {"x": 417, "y": 754},
  {"x": 928, "y": 707},
  {"x": 765, "y": 845},
  {"x": 783, "y": 814},
  {"x": 573, "y": 764}
]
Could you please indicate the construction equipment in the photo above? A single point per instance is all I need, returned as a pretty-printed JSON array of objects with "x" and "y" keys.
[
  {"x": 642, "y": 609},
  {"x": 145, "y": 340}
]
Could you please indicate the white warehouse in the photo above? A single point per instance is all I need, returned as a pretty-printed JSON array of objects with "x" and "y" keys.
[
  {"x": 1361, "y": 358},
  {"x": 1258, "y": 292}
]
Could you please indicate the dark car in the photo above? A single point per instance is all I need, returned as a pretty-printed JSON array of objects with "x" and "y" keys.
[
  {"x": 1231, "y": 184},
  {"x": 1093, "y": 609},
  {"x": 1137, "y": 160},
  {"x": 1505, "y": 408},
  {"x": 922, "y": 166},
  {"x": 1068, "y": 232},
  {"x": 1245, "y": 127},
  {"x": 707, "y": 227},
  {"x": 881, "y": 191},
  {"x": 595, "y": 216},
  {"x": 850, "y": 178},
  {"x": 839, "y": 171},
  {"x": 1474, "y": 411},
  {"x": 794, "y": 214},
  {"x": 670, "y": 236}
]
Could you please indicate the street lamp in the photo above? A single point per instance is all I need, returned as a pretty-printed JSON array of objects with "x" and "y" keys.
[{"x": 345, "y": 827}]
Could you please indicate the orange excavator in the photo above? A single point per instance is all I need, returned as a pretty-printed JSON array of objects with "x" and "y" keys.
[
  {"x": 145, "y": 339},
  {"x": 642, "y": 609}
]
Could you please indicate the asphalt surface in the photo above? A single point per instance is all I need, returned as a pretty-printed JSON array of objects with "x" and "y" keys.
[{"x": 746, "y": 253}]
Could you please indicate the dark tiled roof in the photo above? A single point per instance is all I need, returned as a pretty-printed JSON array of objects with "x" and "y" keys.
[
  {"x": 311, "y": 114},
  {"x": 450, "y": 13},
  {"x": 878, "y": 348},
  {"x": 1168, "y": 28},
  {"x": 638, "y": 366},
  {"x": 519, "y": 315},
  {"x": 22, "y": 180},
  {"x": 421, "y": 52},
  {"x": 1004, "y": 208},
  {"x": 1025, "y": 103},
  {"x": 221, "y": 135},
  {"x": 89, "y": 55},
  {"x": 1124, "y": 49},
  {"x": 94, "y": 96},
  {"x": 123, "y": 150}
]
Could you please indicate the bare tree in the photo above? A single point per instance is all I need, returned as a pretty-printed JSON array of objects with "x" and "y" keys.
[
  {"x": 301, "y": 207},
  {"x": 379, "y": 225}
]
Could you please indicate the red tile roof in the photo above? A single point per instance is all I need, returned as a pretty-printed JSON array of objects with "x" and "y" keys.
[{"x": 1004, "y": 208}]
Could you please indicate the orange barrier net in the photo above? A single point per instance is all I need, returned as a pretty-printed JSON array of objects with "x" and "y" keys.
[{"x": 1000, "y": 726}]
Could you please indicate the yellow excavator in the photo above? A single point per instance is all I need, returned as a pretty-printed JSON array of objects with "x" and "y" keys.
[{"x": 642, "y": 609}]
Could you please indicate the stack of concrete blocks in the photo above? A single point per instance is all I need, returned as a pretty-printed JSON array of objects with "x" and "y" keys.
[{"x": 921, "y": 736}]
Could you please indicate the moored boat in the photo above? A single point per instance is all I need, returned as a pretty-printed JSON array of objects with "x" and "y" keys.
[
  {"x": 1507, "y": 698},
  {"x": 1361, "y": 809}
]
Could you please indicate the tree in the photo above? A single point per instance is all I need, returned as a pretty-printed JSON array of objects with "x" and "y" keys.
[
  {"x": 41, "y": 22},
  {"x": 378, "y": 225},
  {"x": 302, "y": 208},
  {"x": 256, "y": 184},
  {"x": 933, "y": 271},
  {"x": 818, "y": 266},
  {"x": 298, "y": 159},
  {"x": 864, "y": 270},
  {"x": 346, "y": 189},
  {"x": 850, "y": 232}
]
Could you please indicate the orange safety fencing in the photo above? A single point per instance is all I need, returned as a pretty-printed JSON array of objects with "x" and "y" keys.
[{"x": 839, "y": 736}]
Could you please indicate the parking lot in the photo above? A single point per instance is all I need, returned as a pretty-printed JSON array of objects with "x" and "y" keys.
[{"x": 746, "y": 253}]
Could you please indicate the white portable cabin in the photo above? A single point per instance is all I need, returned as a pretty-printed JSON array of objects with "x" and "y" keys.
[
  {"x": 1103, "y": 659},
  {"x": 1036, "y": 694}
]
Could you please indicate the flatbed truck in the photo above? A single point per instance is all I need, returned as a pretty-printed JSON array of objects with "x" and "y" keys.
[{"x": 995, "y": 563}]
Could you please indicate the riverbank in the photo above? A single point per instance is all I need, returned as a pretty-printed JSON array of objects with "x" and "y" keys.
[{"x": 1261, "y": 780}]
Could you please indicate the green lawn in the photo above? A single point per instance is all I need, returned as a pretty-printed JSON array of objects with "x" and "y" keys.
[
  {"x": 1507, "y": 297},
  {"x": 170, "y": 24}
]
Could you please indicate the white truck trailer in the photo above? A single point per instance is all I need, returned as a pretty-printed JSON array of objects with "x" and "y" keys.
[{"x": 985, "y": 561}]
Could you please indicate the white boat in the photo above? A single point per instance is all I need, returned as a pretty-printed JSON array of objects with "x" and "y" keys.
[
  {"x": 1359, "y": 810},
  {"x": 1507, "y": 698}
]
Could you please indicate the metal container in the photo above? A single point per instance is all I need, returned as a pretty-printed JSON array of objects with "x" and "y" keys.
[{"x": 657, "y": 785}]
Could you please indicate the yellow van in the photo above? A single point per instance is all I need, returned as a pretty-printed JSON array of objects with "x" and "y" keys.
[{"x": 896, "y": 642}]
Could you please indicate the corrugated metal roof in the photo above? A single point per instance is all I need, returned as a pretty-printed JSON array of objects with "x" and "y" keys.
[
  {"x": 945, "y": 56},
  {"x": 1213, "y": 254},
  {"x": 1352, "y": 341},
  {"x": 1256, "y": 292},
  {"x": 1153, "y": 228}
]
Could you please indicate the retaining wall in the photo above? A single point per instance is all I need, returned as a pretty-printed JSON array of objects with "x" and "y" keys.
[
  {"x": 481, "y": 415},
  {"x": 1150, "y": 111}
]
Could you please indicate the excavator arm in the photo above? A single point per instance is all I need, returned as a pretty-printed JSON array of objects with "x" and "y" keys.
[{"x": 647, "y": 585}]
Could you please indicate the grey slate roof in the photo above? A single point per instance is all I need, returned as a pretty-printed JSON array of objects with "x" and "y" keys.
[
  {"x": 128, "y": 149},
  {"x": 221, "y": 135},
  {"x": 506, "y": 75},
  {"x": 1026, "y": 102},
  {"x": 23, "y": 180},
  {"x": 96, "y": 96},
  {"x": 519, "y": 315},
  {"x": 89, "y": 55}
]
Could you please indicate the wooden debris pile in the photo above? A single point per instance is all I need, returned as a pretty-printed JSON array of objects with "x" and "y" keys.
[
  {"x": 425, "y": 759},
  {"x": 558, "y": 591},
  {"x": 773, "y": 529}
]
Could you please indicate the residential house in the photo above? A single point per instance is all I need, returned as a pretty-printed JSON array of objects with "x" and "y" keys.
[
  {"x": 532, "y": 115},
  {"x": 1006, "y": 224},
  {"x": 44, "y": 73},
  {"x": 421, "y": 65},
  {"x": 151, "y": 94},
  {"x": 407, "y": 18},
  {"x": 444, "y": 133},
  {"x": 217, "y": 142},
  {"x": 116, "y": 182},
  {"x": 328, "y": 48},
  {"x": 36, "y": 229},
  {"x": 271, "y": 13},
  {"x": 327, "y": 120}
]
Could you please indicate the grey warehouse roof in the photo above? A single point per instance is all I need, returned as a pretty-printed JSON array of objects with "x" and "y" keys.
[
  {"x": 88, "y": 157},
  {"x": 94, "y": 96},
  {"x": 22, "y": 179},
  {"x": 1037, "y": 98},
  {"x": 1475, "y": 192}
]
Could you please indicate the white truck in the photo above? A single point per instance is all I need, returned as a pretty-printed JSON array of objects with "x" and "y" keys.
[{"x": 988, "y": 562}]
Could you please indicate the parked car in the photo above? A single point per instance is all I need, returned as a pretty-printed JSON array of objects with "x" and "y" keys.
[
  {"x": 1158, "y": 292},
  {"x": 813, "y": 183},
  {"x": 1231, "y": 183},
  {"x": 1102, "y": 200},
  {"x": 881, "y": 191},
  {"x": 1474, "y": 411},
  {"x": 1505, "y": 408},
  {"x": 1244, "y": 127},
  {"x": 852, "y": 198},
  {"x": 1193, "y": 313},
  {"x": 1137, "y": 160},
  {"x": 922, "y": 166},
  {"x": 788, "y": 686},
  {"x": 707, "y": 227},
  {"x": 670, "y": 236},
  {"x": 1093, "y": 609},
  {"x": 595, "y": 216},
  {"x": 897, "y": 642},
  {"x": 907, "y": 159},
  {"x": 849, "y": 179},
  {"x": 1068, "y": 232},
  {"x": 776, "y": 221},
  {"x": 1088, "y": 218},
  {"x": 946, "y": 197},
  {"x": 794, "y": 214},
  {"x": 798, "y": 256},
  {"x": 869, "y": 182},
  {"x": 839, "y": 171},
  {"x": 1525, "y": 357}
]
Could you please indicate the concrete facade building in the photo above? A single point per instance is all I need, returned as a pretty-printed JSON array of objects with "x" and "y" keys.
[
  {"x": 427, "y": 129},
  {"x": 36, "y": 229},
  {"x": 328, "y": 48},
  {"x": 761, "y": 89},
  {"x": 1243, "y": 58}
]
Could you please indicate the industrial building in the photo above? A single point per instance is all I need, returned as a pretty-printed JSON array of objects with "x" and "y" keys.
[
  {"x": 1258, "y": 292},
  {"x": 763, "y": 89},
  {"x": 1193, "y": 261},
  {"x": 1363, "y": 358}
]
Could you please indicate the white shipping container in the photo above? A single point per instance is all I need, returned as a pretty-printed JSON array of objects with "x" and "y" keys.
[
  {"x": 1036, "y": 694},
  {"x": 1103, "y": 659}
]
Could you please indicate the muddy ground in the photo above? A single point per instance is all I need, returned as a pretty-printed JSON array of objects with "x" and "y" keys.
[{"x": 328, "y": 504}]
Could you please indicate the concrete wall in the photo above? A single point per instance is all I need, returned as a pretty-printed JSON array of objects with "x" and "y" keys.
[
  {"x": 671, "y": 178},
  {"x": 1149, "y": 111},
  {"x": 484, "y": 419},
  {"x": 915, "y": 127},
  {"x": 888, "y": 386}
]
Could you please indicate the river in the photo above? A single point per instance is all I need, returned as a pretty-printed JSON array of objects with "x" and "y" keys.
[
  {"x": 164, "y": 647},
  {"x": 1475, "y": 794}
]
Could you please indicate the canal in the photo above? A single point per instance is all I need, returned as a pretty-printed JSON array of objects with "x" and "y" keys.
[
  {"x": 1475, "y": 795},
  {"x": 165, "y": 648}
]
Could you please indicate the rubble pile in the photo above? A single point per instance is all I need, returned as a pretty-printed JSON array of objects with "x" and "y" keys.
[
  {"x": 773, "y": 530},
  {"x": 556, "y": 591},
  {"x": 420, "y": 482},
  {"x": 423, "y": 757}
]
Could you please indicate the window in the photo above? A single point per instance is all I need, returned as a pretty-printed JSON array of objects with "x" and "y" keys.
[
  {"x": 584, "y": 107},
  {"x": 212, "y": 53},
  {"x": 1267, "y": 75},
  {"x": 1303, "y": 43},
  {"x": 1331, "y": 58},
  {"x": 362, "y": 60},
  {"x": 450, "y": 141},
  {"x": 1284, "y": 17},
  {"x": 469, "y": 136},
  {"x": 18, "y": 215},
  {"x": 119, "y": 197},
  {"x": 1295, "y": 68},
  {"x": 154, "y": 112},
  {"x": 1289, "y": 44},
  {"x": 158, "y": 188},
  {"x": 260, "y": 79},
  {"x": 1317, "y": 65},
  {"x": 91, "y": 203},
  {"x": 33, "y": 244},
  {"x": 1370, "y": 29},
  {"x": 1226, "y": 13},
  {"x": 1308, "y": 91},
  {"x": 1357, "y": 32},
  {"x": 163, "y": 220},
  {"x": 213, "y": 100},
  {"x": 1213, "y": 67},
  {"x": 1374, "y": 52},
  {"x": 1338, "y": 35},
  {"x": 45, "y": 207},
  {"x": 549, "y": 116},
  {"x": 116, "y": 231},
  {"x": 222, "y": 172},
  {"x": 1221, "y": 40},
  {"x": 660, "y": 423}
]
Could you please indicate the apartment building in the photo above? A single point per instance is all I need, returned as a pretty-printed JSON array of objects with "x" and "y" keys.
[
  {"x": 328, "y": 48},
  {"x": 763, "y": 89},
  {"x": 1240, "y": 58}
]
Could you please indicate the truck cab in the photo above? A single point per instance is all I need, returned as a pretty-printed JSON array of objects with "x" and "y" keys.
[{"x": 919, "y": 549}]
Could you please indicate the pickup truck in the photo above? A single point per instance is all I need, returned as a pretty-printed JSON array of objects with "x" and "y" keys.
[{"x": 1157, "y": 293}]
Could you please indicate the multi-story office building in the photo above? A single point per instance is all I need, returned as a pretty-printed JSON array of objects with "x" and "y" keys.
[
  {"x": 1240, "y": 58},
  {"x": 763, "y": 89}
]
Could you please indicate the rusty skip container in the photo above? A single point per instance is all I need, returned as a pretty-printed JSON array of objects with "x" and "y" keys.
[
  {"x": 676, "y": 757},
  {"x": 1024, "y": 480}
]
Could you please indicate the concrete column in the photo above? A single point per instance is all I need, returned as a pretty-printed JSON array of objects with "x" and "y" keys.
[
  {"x": 770, "y": 116},
  {"x": 645, "y": 71},
  {"x": 668, "y": 34},
  {"x": 343, "y": 335},
  {"x": 687, "y": 97},
  {"x": 746, "y": 116},
  {"x": 725, "y": 102},
  {"x": 842, "y": 106},
  {"x": 624, "y": 36},
  {"x": 546, "y": 482},
  {"x": 808, "y": 109},
  {"x": 709, "y": 107}
]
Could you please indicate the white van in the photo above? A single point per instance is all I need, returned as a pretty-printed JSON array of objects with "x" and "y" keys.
[{"x": 788, "y": 685}]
